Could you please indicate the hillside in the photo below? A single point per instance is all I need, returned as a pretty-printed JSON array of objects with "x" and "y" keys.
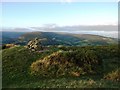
[
  {"x": 20, "y": 65},
  {"x": 53, "y": 38},
  {"x": 16, "y": 62},
  {"x": 9, "y": 37},
  {"x": 67, "y": 39}
]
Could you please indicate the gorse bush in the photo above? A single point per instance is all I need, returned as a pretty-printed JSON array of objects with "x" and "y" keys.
[
  {"x": 110, "y": 51},
  {"x": 103, "y": 52},
  {"x": 52, "y": 65},
  {"x": 114, "y": 75},
  {"x": 72, "y": 63}
]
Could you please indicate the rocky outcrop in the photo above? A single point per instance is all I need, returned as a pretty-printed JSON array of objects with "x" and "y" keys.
[{"x": 35, "y": 44}]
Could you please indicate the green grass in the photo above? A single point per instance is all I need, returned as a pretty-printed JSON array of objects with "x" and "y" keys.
[
  {"x": 67, "y": 82},
  {"x": 16, "y": 62}
]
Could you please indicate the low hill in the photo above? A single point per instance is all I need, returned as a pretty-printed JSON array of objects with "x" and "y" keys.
[
  {"x": 67, "y": 39},
  {"x": 53, "y": 38},
  {"x": 9, "y": 37}
]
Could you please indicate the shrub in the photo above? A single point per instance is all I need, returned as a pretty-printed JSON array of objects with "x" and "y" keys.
[
  {"x": 67, "y": 63},
  {"x": 114, "y": 75},
  {"x": 5, "y": 46}
]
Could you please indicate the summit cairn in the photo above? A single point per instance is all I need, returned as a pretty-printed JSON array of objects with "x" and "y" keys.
[{"x": 35, "y": 44}]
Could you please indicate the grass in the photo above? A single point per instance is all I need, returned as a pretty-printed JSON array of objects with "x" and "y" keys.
[
  {"x": 67, "y": 82},
  {"x": 16, "y": 70},
  {"x": 16, "y": 62}
]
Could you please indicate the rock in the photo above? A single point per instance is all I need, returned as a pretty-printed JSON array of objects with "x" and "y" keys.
[{"x": 35, "y": 44}]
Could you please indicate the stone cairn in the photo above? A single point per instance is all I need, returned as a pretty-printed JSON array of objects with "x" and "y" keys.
[{"x": 35, "y": 44}]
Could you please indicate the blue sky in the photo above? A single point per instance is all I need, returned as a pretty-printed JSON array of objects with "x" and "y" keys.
[{"x": 75, "y": 13}]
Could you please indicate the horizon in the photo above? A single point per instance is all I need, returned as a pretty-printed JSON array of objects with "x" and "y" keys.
[
  {"x": 102, "y": 30},
  {"x": 55, "y": 25}
]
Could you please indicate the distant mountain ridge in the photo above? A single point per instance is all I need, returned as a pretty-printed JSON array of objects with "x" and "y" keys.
[
  {"x": 102, "y": 30},
  {"x": 9, "y": 37},
  {"x": 56, "y": 38}
]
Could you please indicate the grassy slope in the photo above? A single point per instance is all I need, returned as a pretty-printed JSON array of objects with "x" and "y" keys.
[
  {"x": 16, "y": 63},
  {"x": 66, "y": 82}
]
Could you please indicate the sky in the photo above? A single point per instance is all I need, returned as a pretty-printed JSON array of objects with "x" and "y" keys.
[
  {"x": 60, "y": 0},
  {"x": 35, "y": 14}
]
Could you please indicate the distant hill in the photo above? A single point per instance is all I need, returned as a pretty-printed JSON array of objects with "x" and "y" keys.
[
  {"x": 68, "y": 39},
  {"x": 9, "y": 37},
  {"x": 53, "y": 38}
]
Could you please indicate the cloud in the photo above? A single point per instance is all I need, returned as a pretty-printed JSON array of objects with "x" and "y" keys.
[
  {"x": 66, "y": 1},
  {"x": 69, "y": 1}
]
